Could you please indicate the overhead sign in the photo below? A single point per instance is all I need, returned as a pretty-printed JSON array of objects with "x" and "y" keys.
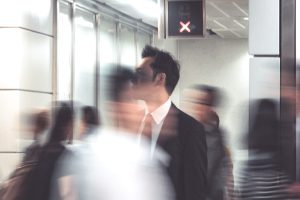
[
  {"x": 185, "y": 18},
  {"x": 185, "y": 27}
]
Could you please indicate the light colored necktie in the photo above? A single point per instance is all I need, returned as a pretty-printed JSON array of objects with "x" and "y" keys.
[{"x": 147, "y": 130}]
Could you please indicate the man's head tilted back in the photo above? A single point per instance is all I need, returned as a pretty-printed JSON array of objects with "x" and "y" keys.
[{"x": 157, "y": 70}]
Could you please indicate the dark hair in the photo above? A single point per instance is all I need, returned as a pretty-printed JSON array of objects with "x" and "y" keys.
[
  {"x": 63, "y": 119},
  {"x": 40, "y": 121},
  {"x": 163, "y": 63},
  {"x": 212, "y": 91},
  {"x": 90, "y": 115},
  {"x": 119, "y": 79}
]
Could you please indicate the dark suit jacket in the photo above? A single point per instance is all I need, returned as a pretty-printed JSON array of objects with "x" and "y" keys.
[{"x": 183, "y": 138}]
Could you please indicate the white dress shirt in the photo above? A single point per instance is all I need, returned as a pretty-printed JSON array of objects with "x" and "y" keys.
[{"x": 158, "y": 116}]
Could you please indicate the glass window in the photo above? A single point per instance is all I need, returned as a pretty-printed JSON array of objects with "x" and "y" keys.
[
  {"x": 142, "y": 40},
  {"x": 64, "y": 40},
  {"x": 127, "y": 46},
  {"x": 107, "y": 57},
  {"x": 76, "y": 79},
  {"x": 108, "y": 46},
  {"x": 84, "y": 57}
]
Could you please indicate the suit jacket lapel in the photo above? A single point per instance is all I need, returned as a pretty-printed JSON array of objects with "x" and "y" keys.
[{"x": 169, "y": 127}]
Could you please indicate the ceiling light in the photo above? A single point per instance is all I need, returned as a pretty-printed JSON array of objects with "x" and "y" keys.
[{"x": 246, "y": 18}]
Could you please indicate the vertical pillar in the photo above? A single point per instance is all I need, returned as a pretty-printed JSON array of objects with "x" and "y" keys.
[
  {"x": 26, "y": 50},
  {"x": 288, "y": 85}
]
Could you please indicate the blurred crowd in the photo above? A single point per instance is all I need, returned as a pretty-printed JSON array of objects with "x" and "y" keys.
[{"x": 150, "y": 149}]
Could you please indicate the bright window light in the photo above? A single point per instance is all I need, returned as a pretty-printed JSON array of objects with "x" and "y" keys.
[
  {"x": 147, "y": 7},
  {"x": 40, "y": 8}
]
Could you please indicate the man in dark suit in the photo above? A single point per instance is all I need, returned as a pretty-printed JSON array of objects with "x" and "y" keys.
[{"x": 181, "y": 136}]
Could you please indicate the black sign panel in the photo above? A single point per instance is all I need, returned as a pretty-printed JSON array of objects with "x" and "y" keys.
[{"x": 185, "y": 18}]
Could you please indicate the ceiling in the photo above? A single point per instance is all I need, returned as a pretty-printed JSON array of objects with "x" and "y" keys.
[{"x": 226, "y": 18}]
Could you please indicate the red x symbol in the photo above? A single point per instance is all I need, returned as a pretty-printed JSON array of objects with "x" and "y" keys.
[{"x": 185, "y": 27}]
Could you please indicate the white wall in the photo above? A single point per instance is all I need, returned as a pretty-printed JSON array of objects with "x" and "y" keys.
[
  {"x": 26, "y": 38},
  {"x": 223, "y": 63},
  {"x": 264, "y": 27}
]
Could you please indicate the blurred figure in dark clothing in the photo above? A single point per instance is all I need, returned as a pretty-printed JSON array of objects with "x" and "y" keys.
[
  {"x": 16, "y": 186},
  {"x": 89, "y": 120},
  {"x": 200, "y": 101},
  {"x": 264, "y": 128},
  {"x": 39, "y": 181},
  {"x": 40, "y": 122},
  {"x": 263, "y": 177}
]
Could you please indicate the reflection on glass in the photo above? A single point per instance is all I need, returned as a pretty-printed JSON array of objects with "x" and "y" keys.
[
  {"x": 85, "y": 57},
  {"x": 64, "y": 40},
  {"x": 127, "y": 46}
]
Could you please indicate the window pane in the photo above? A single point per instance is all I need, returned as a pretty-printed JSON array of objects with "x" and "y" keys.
[
  {"x": 108, "y": 48},
  {"x": 142, "y": 40},
  {"x": 107, "y": 57},
  {"x": 64, "y": 40},
  {"x": 127, "y": 46},
  {"x": 85, "y": 57}
]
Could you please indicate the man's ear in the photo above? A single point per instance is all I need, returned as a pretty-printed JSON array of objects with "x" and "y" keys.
[{"x": 160, "y": 79}]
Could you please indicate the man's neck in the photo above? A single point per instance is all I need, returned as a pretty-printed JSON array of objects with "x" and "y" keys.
[{"x": 156, "y": 101}]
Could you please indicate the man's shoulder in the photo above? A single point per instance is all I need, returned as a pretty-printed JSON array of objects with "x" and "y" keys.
[{"x": 185, "y": 121}]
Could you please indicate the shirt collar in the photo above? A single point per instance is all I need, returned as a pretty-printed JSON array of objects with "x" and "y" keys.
[{"x": 161, "y": 112}]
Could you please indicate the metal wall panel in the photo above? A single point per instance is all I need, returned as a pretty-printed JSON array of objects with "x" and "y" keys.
[
  {"x": 36, "y": 15},
  {"x": 264, "y": 27},
  {"x": 26, "y": 60}
]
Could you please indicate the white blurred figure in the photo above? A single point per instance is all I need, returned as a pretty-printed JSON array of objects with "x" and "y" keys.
[{"x": 111, "y": 165}]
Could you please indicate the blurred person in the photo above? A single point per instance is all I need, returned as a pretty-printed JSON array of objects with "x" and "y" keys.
[
  {"x": 39, "y": 182},
  {"x": 15, "y": 188},
  {"x": 181, "y": 136},
  {"x": 111, "y": 165},
  {"x": 200, "y": 101},
  {"x": 263, "y": 176},
  {"x": 89, "y": 120},
  {"x": 39, "y": 122}
]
